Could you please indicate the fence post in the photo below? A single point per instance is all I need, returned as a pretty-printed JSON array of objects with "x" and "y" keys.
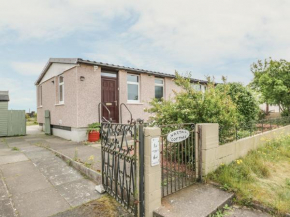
[
  {"x": 141, "y": 170},
  {"x": 152, "y": 172},
  {"x": 209, "y": 139}
]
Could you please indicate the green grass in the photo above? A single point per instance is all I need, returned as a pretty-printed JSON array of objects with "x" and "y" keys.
[
  {"x": 31, "y": 121},
  {"x": 15, "y": 149},
  {"x": 262, "y": 176}
]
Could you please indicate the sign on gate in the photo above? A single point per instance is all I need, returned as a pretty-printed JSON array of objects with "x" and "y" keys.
[
  {"x": 154, "y": 151},
  {"x": 178, "y": 136}
]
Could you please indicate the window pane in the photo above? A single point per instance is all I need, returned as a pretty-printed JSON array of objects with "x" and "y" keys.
[
  {"x": 60, "y": 79},
  {"x": 108, "y": 74},
  {"x": 158, "y": 92},
  {"x": 158, "y": 81},
  {"x": 196, "y": 86},
  {"x": 60, "y": 93},
  {"x": 133, "y": 78},
  {"x": 133, "y": 92}
]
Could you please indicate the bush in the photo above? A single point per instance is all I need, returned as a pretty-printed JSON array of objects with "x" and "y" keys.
[
  {"x": 246, "y": 104},
  {"x": 191, "y": 106}
]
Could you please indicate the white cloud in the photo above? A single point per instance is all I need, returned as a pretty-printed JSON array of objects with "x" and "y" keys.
[
  {"x": 54, "y": 18},
  {"x": 28, "y": 68},
  {"x": 20, "y": 98},
  {"x": 205, "y": 37}
]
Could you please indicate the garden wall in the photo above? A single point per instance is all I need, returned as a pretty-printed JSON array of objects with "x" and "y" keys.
[{"x": 213, "y": 154}]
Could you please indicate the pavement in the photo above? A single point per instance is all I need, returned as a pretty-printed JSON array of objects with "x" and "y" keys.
[
  {"x": 246, "y": 212},
  {"x": 83, "y": 152},
  {"x": 35, "y": 183},
  {"x": 202, "y": 200}
]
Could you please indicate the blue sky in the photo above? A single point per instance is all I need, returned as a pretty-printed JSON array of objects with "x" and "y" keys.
[{"x": 202, "y": 37}]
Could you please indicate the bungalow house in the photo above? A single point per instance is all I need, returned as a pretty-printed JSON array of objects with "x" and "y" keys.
[{"x": 73, "y": 89}]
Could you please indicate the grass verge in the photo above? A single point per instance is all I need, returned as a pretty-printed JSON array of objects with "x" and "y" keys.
[
  {"x": 31, "y": 121},
  {"x": 262, "y": 176}
]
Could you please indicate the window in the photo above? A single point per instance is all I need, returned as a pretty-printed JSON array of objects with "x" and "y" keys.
[
  {"x": 61, "y": 89},
  {"x": 159, "y": 88},
  {"x": 109, "y": 74},
  {"x": 133, "y": 88},
  {"x": 40, "y": 95},
  {"x": 196, "y": 87}
]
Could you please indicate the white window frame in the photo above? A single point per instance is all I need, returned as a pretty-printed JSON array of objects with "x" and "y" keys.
[
  {"x": 61, "y": 84},
  {"x": 135, "y": 83},
  {"x": 159, "y": 85}
]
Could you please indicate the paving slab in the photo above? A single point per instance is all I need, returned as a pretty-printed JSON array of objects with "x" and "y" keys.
[
  {"x": 12, "y": 158},
  {"x": 14, "y": 139},
  {"x": 78, "y": 192},
  {"x": 48, "y": 161},
  {"x": 19, "y": 145},
  {"x": 26, "y": 183},
  {"x": 31, "y": 148},
  {"x": 60, "y": 173},
  {"x": 6, "y": 209},
  {"x": 245, "y": 212},
  {"x": 45, "y": 202},
  {"x": 38, "y": 154},
  {"x": 194, "y": 201},
  {"x": 18, "y": 169},
  {"x": 103, "y": 207},
  {"x": 6, "y": 151}
]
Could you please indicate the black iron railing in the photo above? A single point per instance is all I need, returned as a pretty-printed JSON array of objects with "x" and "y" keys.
[
  {"x": 251, "y": 128},
  {"x": 119, "y": 175}
]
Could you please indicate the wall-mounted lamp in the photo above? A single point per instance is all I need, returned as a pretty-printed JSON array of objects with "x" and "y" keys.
[
  {"x": 52, "y": 82},
  {"x": 82, "y": 78}
]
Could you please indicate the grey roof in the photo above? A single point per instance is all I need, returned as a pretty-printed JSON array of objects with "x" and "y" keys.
[
  {"x": 107, "y": 65},
  {"x": 4, "y": 96}
]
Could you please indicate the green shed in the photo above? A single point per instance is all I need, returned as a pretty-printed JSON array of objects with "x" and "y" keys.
[
  {"x": 12, "y": 122},
  {"x": 4, "y": 99}
]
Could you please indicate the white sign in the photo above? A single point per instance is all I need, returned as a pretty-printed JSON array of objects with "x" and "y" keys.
[
  {"x": 155, "y": 151},
  {"x": 178, "y": 136}
]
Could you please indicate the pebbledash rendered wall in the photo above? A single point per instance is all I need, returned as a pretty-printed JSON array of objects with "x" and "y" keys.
[
  {"x": 213, "y": 154},
  {"x": 81, "y": 99}
]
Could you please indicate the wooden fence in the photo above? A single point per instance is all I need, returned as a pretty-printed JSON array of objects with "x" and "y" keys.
[{"x": 16, "y": 123}]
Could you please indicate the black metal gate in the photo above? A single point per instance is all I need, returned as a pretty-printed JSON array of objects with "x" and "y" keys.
[
  {"x": 119, "y": 176},
  {"x": 178, "y": 162}
]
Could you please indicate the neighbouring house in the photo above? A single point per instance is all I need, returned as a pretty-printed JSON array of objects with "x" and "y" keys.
[
  {"x": 272, "y": 111},
  {"x": 73, "y": 88}
]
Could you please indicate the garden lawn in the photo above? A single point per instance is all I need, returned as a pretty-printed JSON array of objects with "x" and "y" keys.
[
  {"x": 262, "y": 176},
  {"x": 31, "y": 121}
]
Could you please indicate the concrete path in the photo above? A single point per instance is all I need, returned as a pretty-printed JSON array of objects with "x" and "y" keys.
[
  {"x": 35, "y": 183},
  {"x": 202, "y": 200},
  {"x": 242, "y": 212},
  {"x": 84, "y": 153}
]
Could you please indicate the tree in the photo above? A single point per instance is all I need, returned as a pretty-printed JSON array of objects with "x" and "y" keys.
[
  {"x": 243, "y": 98},
  {"x": 191, "y": 106},
  {"x": 272, "y": 80}
]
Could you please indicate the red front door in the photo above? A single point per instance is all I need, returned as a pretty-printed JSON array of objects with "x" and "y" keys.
[{"x": 110, "y": 98}]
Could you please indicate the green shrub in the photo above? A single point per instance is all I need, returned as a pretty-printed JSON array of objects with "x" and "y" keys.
[
  {"x": 243, "y": 98},
  {"x": 94, "y": 127},
  {"x": 191, "y": 106}
]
